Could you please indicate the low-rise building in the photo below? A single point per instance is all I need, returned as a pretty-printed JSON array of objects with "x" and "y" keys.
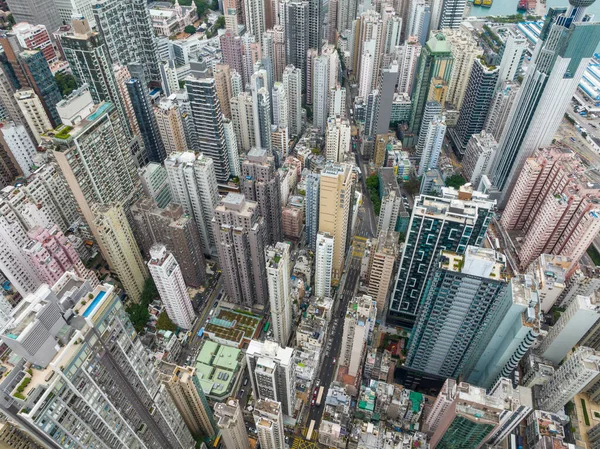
[{"x": 219, "y": 369}]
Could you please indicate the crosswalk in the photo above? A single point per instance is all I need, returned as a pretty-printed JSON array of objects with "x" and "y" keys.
[{"x": 301, "y": 443}]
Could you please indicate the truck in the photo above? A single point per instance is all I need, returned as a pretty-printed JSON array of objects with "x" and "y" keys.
[{"x": 320, "y": 395}]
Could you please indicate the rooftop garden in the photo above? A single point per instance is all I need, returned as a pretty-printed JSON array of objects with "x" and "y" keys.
[{"x": 63, "y": 132}]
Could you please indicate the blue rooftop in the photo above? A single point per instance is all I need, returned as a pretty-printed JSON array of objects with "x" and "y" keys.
[
  {"x": 101, "y": 110},
  {"x": 94, "y": 303}
]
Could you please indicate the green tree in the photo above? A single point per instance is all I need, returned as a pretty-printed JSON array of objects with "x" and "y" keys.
[
  {"x": 165, "y": 323},
  {"x": 220, "y": 23},
  {"x": 455, "y": 181},
  {"x": 138, "y": 314},
  {"x": 412, "y": 185},
  {"x": 66, "y": 83},
  {"x": 373, "y": 188},
  {"x": 189, "y": 29},
  {"x": 214, "y": 5}
]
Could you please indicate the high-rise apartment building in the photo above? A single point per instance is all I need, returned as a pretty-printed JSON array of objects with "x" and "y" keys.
[
  {"x": 194, "y": 186},
  {"x": 254, "y": 18},
  {"x": 382, "y": 264},
  {"x": 446, "y": 335},
  {"x": 447, "y": 14},
  {"x": 222, "y": 74},
  {"x": 432, "y": 143},
  {"x": 294, "y": 18},
  {"x": 551, "y": 273},
  {"x": 231, "y": 47},
  {"x": 119, "y": 247},
  {"x": 20, "y": 145},
  {"x": 144, "y": 114},
  {"x": 36, "y": 12},
  {"x": 580, "y": 369},
  {"x": 279, "y": 105},
  {"x": 392, "y": 215},
  {"x": 272, "y": 373},
  {"x": 35, "y": 37},
  {"x": 261, "y": 183},
  {"x": 324, "y": 247},
  {"x": 311, "y": 206},
  {"x": 308, "y": 75},
  {"x": 320, "y": 87},
  {"x": 561, "y": 56},
  {"x": 359, "y": 323},
  {"x": 188, "y": 396},
  {"x": 242, "y": 118},
  {"x": 465, "y": 50},
  {"x": 230, "y": 421},
  {"x": 127, "y": 29},
  {"x": 417, "y": 27},
  {"x": 479, "y": 153},
  {"x": 513, "y": 53},
  {"x": 168, "y": 278},
  {"x": 208, "y": 120},
  {"x": 466, "y": 213},
  {"x": 477, "y": 99},
  {"x": 336, "y": 193},
  {"x": 337, "y": 101},
  {"x": 268, "y": 418},
  {"x": 155, "y": 183},
  {"x": 278, "y": 283},
  {"x": 240, "y": 235},
  {"x": 170, "y": 126},
  {"x": 261, "y": 103},
  {"x": 125, "y": 395},
  {"x": 500, "y": 108},
  {"x": 33, "y": 110},
  {"x": 407, "y": 56},
  {"x": 292, "y": 84},
  {"x": 337, "y": 139}
]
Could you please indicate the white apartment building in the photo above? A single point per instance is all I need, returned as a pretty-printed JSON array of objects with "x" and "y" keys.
[
  {"x": 278, "y": 277},
  {"x": 20, "y": 145},
  {"x": 337, "y": 139},
  {"x": 269, "y": 424},
  {"x": 359, "y": 323},
  {"x": 323, "y": 265}
]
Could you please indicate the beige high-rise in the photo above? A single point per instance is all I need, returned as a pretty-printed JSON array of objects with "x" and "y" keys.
[
  {"x": 231, "y": 422},
  {"x": 381, "y": 267},
  {"x": 222, "y": 75},
  {"x": 336, "y": 192},
  {"x": 170, "y": 126},
  {"x": 33, "y": 111}
]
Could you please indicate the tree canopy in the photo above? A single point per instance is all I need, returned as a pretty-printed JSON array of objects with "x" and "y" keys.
[
  {"x": 190, "y": 29},
  {"x": 66, "y": 83}
]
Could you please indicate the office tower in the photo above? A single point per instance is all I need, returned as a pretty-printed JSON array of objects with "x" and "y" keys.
[
  {"x": 230, "y": 421},
  {"x": 294, "y": 18},
  {"x": 272, "y": 373},
  {"x": 447, "y": 14},
  {"x": 269, "y": 424},
  {"x": 168, "y": 76},
  {"x": 554, "y": 201},
  {"x": 359, "y": 323},
  {"x": 407, "y": 56},
  {"x": 465, "y": 212},
  {"x": 500, "y": 109},
  {"x": 280, "y": 105},
  {"x": 38, "y": 76},
  {"x": 311, "y": 201},
  {"x": 479, "y": 153},
  {"x": 444, "y": 343},
  {"x": 323, "y": 264},
  {"x": 155, "y": 183},
  {"x": 580, "y": 370},
  {"x": 119, "y": 248},
  {"x": 231, "y": 47},
  {"x": 20, "y": 145},
  {"x": 254, "y": 15},
  {"x": 89, "y": 58},
  {"x": 512, "y": 336},
  {"x": 382, "y": 261},
  {"x": 230, "y": 11},
  {"x": 336, "y": 191},
  {"x": 168, "y": 278},
  {"x": 194, "y": 186},
  {"x": 261, "y": 104},
  {"x": 232, "y": 148},
  {"x": 170, "y": 126},
  {"x": 337, "y": 139},
  {"x": 578, "y": 318},
  {"x": 292, "y": 84},
  {"x": 477, "y": 99},
  {"x": 432, "y": 144},
  {"x": 35, "y": 37},
  {"x": 417, "y": 27},
  {"x": 36, "y": 12},
  {"x": 126, "y": 392},
  {"x": 466, "y": 416},
  {"x": 33, "y": 110},
  {"x": 434, "y": 67},
  {"x": 187, "y": 394},
  {"x": 126, "y": 27},
  {"x": 260, "y": 183},
  {"x": 278, "y": 276},
  {"x": 465, "y": 50},
  {"x": 144, "y": 113},
  {"x": 337, "y": 101},
  {"x": 560, "y": 58},
  {"x": 222, "y": 74},
  {"x": 52, "y": 254},
  {"x": 240, "y": 234},
  {"x": 208, "y": 122},
  {"x": 14, "y": 263},
  {"x": 512, "y": 57}
]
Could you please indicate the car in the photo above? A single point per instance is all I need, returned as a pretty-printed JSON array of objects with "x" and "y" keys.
[
  {"x": 317, "y": 382},
  {"x": 334, "y": 360},
  {"x": 245, "y": 382},
  {"x": 313, "y": 402}
]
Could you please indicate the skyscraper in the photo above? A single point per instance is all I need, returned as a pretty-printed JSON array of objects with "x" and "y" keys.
[
  {"x": 278, "y": 277},
  {"x": 407, "y": 56},
  {"x": 254, "y": 15},
  {"x": 465, "y": 50},
  {"x": 336, "y": 192},
  {"x": 294, "y": 18},
  {"x": 222, "y": 74},
  {"x": 208, "y": 120},
  {"x": 22, "y": 148},
  {"x": 36, "y": 12},
  {"x": 466, "y": 213},
  {"x": 323, "y": 264},
  {"x": 561, "y": 56},
  {"x": 477, "y": 99},
  {"x": 312, "y": 208},
  {"x": 194, "y": 186},
  {"x": 359, "y": 322},
  {"x": 418, "y": 21},
  {"x": 167, "y": 276},
  {"x": 432, "y": 147},
  {"x": 261, "y": 104},
  {"x": 230, "y": 421},
  {"x": 443, "y": 343},
  {"x": 261, "y": 183},
  {"x": 447, "y": 14},
  {"x": 280, "y": 105},
  {"x": 292, "y": 84},
  {"x": 127, "y": 30},
  {"x": 144, "y": 113},
  {"x": 240, "y": 235},
  {"x": 269, "y": 424},
  {"x": 33, "y": 110},
  {"x": 320, "y": 88},
  {"x": 315, "y": 24},
  {"x": 382, "y": 264},
  {"x": 337, "y": 139},
  {"x": 272, "y": 373},
  {"x": 170, "y": 126}
]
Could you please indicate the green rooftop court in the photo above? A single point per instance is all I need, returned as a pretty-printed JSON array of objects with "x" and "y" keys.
[
  {"x": 232, "y": 327},
  {"x": 217, "y": 369}
]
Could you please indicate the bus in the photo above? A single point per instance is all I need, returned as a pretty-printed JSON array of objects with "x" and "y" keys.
[
  {"x": 267, "y": 326},
  {"x": 201, "y": 332},
  {"x": 320, "y": 395},
  {"x": 217, "y": 441},
  {"x": 311, "y": 427}
]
